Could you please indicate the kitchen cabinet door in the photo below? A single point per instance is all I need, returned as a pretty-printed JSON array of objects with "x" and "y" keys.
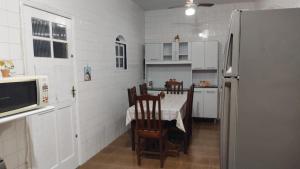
[
  {"x": 210, "y": 103},
  {"x": 211, "y": 55},
  {"x": 198, "y": 103},
  {"x": 198, "y": 55},
  {"x": 45, "y": 146},
  {"x": 153, "y": 52}
]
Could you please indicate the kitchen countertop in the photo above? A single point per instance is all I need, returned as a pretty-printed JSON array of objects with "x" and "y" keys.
[
  {"x": 162, "y": 89},
  {"x": 206, "y": 86},
  {"x": 184, "y": 89}
]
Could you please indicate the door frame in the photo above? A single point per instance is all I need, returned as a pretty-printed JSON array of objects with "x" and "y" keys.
[{"x": 55, "y": 11}]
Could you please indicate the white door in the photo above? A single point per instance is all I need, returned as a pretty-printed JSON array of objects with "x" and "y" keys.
[
  {"x": 48, "y": 49},
  {"x": 211, "y": 55},
  {"x": 198, "y": 55}
]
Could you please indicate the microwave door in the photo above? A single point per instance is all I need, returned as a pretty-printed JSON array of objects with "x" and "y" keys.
[
  {"x": 228, "y": 123},
  {"x": 233, "y": 46}
]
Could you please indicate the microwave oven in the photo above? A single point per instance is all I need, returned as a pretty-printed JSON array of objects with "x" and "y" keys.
[{"x": 21, "y": 94}]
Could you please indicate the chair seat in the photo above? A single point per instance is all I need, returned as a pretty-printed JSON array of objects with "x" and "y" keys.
[{"x": 151, "y": 133}]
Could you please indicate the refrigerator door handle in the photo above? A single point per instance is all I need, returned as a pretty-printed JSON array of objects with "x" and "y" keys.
[
  {"x": 232, "y": 49},
  {"x": 228, "y": 123}
]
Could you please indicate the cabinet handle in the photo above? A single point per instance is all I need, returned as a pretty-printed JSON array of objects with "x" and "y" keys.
[{"x": 210, "y": 91}]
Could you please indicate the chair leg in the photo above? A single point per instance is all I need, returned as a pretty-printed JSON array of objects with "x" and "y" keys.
[
  {"x": 185, "y": 143},
  {"x": 161, "y": 152},
  {"x": 138, "y": 152},
  {"x": 132, "y": 135}
]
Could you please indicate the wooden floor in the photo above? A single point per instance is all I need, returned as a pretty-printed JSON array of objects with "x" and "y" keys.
[{"x": 203, "y": 153}]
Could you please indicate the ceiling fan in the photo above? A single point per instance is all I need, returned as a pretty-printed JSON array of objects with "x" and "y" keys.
[{"x": 191, "y": 6}]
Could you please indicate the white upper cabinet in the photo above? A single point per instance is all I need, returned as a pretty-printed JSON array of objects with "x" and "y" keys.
[
  {"x": 198, "y": 55},
  {"x": 205, "y": 55},
  {"x": 168, "y": 51},
  {"x": 153, "y": 52},
  {"x": 171, "y": 51},
  {"x": 183, "y": 51},
  {"x": 211, "y": 55}
]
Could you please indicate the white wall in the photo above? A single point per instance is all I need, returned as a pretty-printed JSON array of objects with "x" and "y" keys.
[
  {"x": 163, "y": 25},
  {"x": 103, "y": 101},
  {"x": 12, "y": 135},
  {"x": 271, "y": 4}
]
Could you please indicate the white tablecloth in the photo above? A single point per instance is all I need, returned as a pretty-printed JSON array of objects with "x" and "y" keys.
[{"x": 172, "y": 108}]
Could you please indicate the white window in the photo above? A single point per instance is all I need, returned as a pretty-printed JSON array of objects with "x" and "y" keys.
[
  {"x": 121, "y": 56},
  {"x": 49, "y": 39}
]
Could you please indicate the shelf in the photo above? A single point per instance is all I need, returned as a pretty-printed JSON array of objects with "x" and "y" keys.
[
  {"x": 168, "y": 63},
  {"x": 24, "y": 114}
]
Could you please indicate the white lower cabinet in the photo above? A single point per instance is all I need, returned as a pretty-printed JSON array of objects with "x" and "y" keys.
[
  {"x": 198, "y": 110},
  {"x": 205, "y": 103}
]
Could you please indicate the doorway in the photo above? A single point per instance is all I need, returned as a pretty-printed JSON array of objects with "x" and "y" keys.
[{"x": 48, "y": 50}]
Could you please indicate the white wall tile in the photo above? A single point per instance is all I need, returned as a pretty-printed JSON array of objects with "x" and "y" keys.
[
  {"x": 14, "y": 35},
  {"x": 4, "y": 50},
  {"x": 13, "y": 19},
  {"x": 3, "y": 17},
  {"x": 4, "y": 34},
  {"x": 12, "y": 5}
]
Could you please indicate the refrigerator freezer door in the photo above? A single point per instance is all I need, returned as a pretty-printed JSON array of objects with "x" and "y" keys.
[
  {"x": 233, "y": 46},
  {"x": 269, "y": 91},
  {"x": 228, "y": 123}
]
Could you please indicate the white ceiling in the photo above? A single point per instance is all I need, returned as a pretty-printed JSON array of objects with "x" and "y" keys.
[{"x": 164, "y": 4}]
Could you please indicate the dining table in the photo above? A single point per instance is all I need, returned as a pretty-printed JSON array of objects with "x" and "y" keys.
[{"x": 172, "y": 108}]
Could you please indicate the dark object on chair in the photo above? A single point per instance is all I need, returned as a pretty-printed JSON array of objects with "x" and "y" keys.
[
  {"x": 149, "y": 126},
  {"x": 143, "y": 89},
  {"x": 131, "y": 101},
  {"x": 174, "y": 87}
]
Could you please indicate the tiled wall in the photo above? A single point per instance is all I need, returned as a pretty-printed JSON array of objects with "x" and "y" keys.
[
  {"x": 102, "y": 101},
  {"x": 10, "y": 44},
  {"x": 163, "y": 25},
  {"x": 12, "y": 135},
  {"x": 271, "y": 4}
]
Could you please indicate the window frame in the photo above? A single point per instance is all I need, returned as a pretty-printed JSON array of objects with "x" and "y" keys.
[
  {"x": 121, "y": 60},
  {"x": 51, "y": 39}
]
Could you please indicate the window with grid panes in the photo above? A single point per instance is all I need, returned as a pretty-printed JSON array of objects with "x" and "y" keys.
[
  {"x": 121, "y": 57},
  {"x": 49, "y": 39}
]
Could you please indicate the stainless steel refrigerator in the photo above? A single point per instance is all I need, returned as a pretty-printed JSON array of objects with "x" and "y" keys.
[{"x": 260, "y": 110}]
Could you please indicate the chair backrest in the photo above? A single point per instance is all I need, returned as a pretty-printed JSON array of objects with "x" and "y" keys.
[
  {"x": 143, "y": 89},
  {"x": 131, "y": 96},
  {"x": 190, "y": 98},
  {"x": 148, "y": 113},
  {"x": 174, "y": 87}
]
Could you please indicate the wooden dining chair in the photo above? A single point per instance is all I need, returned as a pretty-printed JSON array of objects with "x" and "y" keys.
[
  {"x": 174, "y": 87},
  {"x": 131, "y": 102},
  {"x": 131, "y": 95},
  {"x": 143, "y": 89},
  {"x": 192, "y": 88},
  {"x": 149, "y": 126},
  {"x": 188, "y": 119}
]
